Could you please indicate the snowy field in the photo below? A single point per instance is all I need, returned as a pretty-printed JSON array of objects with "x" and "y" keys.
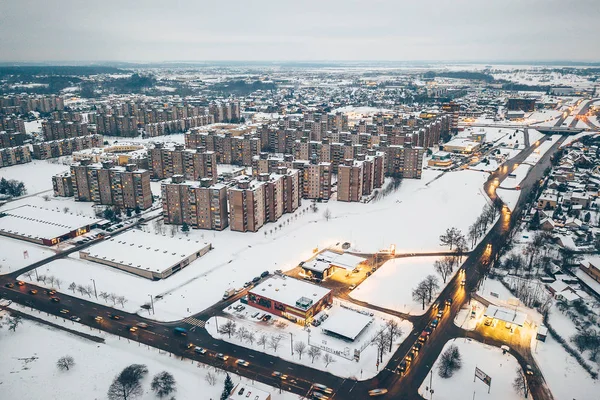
[
  {"x": 29, "y": 361},
  {"x": 489, "y": 167},
  {"x": 509, "y": 197},
  {"x": 501, "y": 367},
  {"x": 429, "y": 206},
  {"x": 392, "y": 284},
  {"x": 37, "y": 175},
  {"x": 565, "y": 377},
  {"x": 279, "y": 327},
  {"x": 13, "y": 257},
  {"x": 534, "y": 135},
  {"x": 539, "y": 152},
  {"x": 520, "y": 173},
  {"x": 541, "y": 116},
  {"x": 54, "y": 203}
]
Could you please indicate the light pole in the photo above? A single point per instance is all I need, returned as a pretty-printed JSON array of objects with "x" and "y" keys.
[
  {"x": 95, "y": 292},
  {"x": 151, "y": 303},
  {"x": 292, "y": 342}
]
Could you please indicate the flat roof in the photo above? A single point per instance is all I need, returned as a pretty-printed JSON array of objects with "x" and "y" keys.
[
  {"x": 42, "y": 223},
  {"x": 323, "y": 260},
  {"x": 506, "y": 314},
  {"x": 345, "y": 322},
  {"x": 288, "y": 290},
  {"x": 146, "y": 251}
]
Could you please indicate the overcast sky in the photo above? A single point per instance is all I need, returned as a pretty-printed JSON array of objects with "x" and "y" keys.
[{"x": 198, "y": 30}]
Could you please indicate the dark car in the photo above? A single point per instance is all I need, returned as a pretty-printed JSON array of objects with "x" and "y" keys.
[
  {"x": 266, "y": 318},
  {"x": 10, "y": 285},
  {"x": 402, "y": 367},
  {"x": 264, "y": 274},
  {"x": 256, "y": 279},
  {"x": 449, "y": 301}
]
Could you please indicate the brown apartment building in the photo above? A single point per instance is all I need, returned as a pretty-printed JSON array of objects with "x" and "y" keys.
[
  {"x": 62, "y": 185},
  {"x": 124, "y": 187},
  {"x": 200, "y": 205},
  {"x": 403, "y": 161},
  {"x": 197, "y": 164},
  {"x": 246, "y": 205}
]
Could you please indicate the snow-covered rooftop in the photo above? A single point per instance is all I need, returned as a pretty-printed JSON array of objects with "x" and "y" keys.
[
  {"x": 345, "y": 322},
  {"x": 40, "y": 223},
  {"x": 322, "y": 261},
  {"x": 248, "y": 392},
  {"x": 143, "y": 250},
  {"x": 506, "y": 314},
  {"x": 289, "y": 290}
]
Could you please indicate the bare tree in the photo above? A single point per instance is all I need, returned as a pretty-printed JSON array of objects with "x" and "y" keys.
[
  {"x": 420, "y": 293},
  {"x": 113, "y": 297},
  {"x": 72, "y": 287},
  {"x": 211, "y": 378},
  {"x": 42, "y": 278},
  {"x": 163, "y": 384},
  {"x": 394, "y": 331},
  {"x": 122, "y": 300},
  {"x": 104, "y": 296},
  {"x": 431, "y": 282},
  {"x": 450, "y": 361},
  {"x": 127, "y": 385},
  {"x": 520, "y": 384},
  {"x": 327, "y": 214},
  {"x": 13, "y": 322},
  {"x": 50, "y": 279},
  {"x": 328, "y": 359},
  {"x": 250, "y": 337},
  {"x": 29, "y": 274},
  {"x": 382, "y": 342},
  {"x": 46, "y": 197},
  {"x": 444, "y": 267},
  {"x": 58, "y": 282},
  {"x": 241, "y": 333},
  {"x": 451, "y": 237},
  {"x": 262, "y": 340},
  {"x": 274, "y": 343},
  {"x": 65, "y": 363},
  {"x": 81, "y": 289},
  {"x": 300, "y": 348},
  {"x": 229, "y": 328},
  {"x": 314, "y": 353},
  {"x": 66, "y": 210}
]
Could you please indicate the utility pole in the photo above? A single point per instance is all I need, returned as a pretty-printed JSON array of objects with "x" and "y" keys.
[
  {"x": 37, "y": 278},
  {"x": 292, "y": 342},
  {"x": 95, "y": 292}
]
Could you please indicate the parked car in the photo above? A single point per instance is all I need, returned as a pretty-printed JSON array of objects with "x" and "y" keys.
[
  {"x": 487, "y": 322},
  {"x": 266, "y": 318},
  {"x": 352, "y": 287},
  {"x": 254, "y": 315},
  {"x": 264, "y": 274},
  {"x": 256, "y": 279}
]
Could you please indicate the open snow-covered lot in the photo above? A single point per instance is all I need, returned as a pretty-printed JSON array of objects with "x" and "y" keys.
[
  {"x": 502, "y": 368},
  {"x": 37, "y": 175},
  {"x": 392, "y": 284},
  {"x": 15, "y": 254},
  {"x": 412, "y": 218},
  {"x": 29, "y": 358},
  {"x": 341, "y": 351}
]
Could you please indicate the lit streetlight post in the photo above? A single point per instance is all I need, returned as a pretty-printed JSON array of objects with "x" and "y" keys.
[
  {"x": 95, "y": 292},
  {"x": 151, "y": 303}
]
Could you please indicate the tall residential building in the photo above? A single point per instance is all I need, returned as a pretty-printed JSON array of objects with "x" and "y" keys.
[
  {"x": 200, "y": 205},
  {"x": 62, "y": 185},
  {"x": 192, "y": 164},
  {"x": 453, "y": 109},
  {"x": 246, "y": 206},
  {"x": 64, "y": 147},
  {"x": 350, "y": 180},
  {"x": 404, "y": 161},
  {"x": 14, "y": 155},
  {"x": 273, "y": 195},
  {"x": 317, "y": 181},
  {"x": 55, "y": 130},
  {"x": 124, "y": 187}
]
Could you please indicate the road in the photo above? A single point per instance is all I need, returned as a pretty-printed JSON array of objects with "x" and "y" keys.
[{"x": 301, "y": 377}]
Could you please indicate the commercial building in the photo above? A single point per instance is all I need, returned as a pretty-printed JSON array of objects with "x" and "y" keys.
[
  {"x": 146, "y": 254},
  {"x": 246, "y": 392},
  {"x": 65, "y": 147},
  {"x": 200, "y": 205},
  {"x": 520, "y": 104},
  {"x": 14, "y": 155},
  {"x": 63, "y": 185},
  {"x": 43, "y": 226},
  {"x": 246, "y": 205},
  {"x": 440, "y": 159},
  {"x": 327, "y": 263},
  {"x": 196, "y": 164},
  {"x": 346, "y": 324},
  {"x": 462, "y": 146},
  {"x": 124, "y": 187},
  {"x": 290, "y": 298}
]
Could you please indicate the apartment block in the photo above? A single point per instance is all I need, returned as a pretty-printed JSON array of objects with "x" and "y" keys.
[
  {"x": 197, "y": 164},
  {"x": 350, "y": 180},
  {"x": 12, "y": 139},
  {"x": 246, "y": 205},
  {"x": 55, "y": 130},
  {"x": 14, "y": 155},
  {"x": 316, "y": 180},
  {"x": 124, "y": 187},
  {"x": 403, "y": 161},
  {"x": 63, "y": 185},
  {"x": 64, "y": 147},
  {"x": 201, "y": 205}
]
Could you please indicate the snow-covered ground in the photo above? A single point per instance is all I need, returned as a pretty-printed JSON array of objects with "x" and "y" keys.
[
  {"x": 345, "y": 367},
  {"x": 392, "y": 284},
  {"x": 469, "y": 315},
  {"x": 534, "y": 135},
  {"x": 519, "y": 173},
  {"x": 37, "y": 175},
  {"x": 576, "y": 137},
  {"x": 29, "y": 358},
  {"x": 15, "y": 254},
  {"x": 539, "y": 152},
  {"x": 502, "y": 368},
  {"x": 492, "y": 165},
  {"x": 509, "y": 197},
  {"x": 33, "y": 126},
  {"x": 428, "y": 206}
]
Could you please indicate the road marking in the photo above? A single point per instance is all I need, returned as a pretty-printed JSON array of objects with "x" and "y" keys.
[
  {"x": 195, "y": 321},
  {"x": 250, "y": 355}
]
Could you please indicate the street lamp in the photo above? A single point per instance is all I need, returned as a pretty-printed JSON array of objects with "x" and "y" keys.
[
  {"x": 151, "y": 303},
  {"x": 95, "y": 292}
]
